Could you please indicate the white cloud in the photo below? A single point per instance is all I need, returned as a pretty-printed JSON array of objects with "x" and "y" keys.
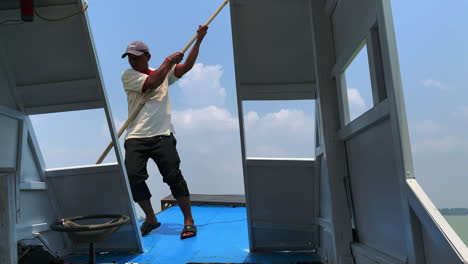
[
  {"x": 355, "y": 98},
  {"x": 427, "y": 127},
  {"x": 286, "y": 133},
  {"x": 201, "y": 86},
  {"x": 433, "y": 83},
  {"x": 211, "y": 118},
  {"x": 442, "y": 145},
  {"x": 250, "y": 119},
  {"x": 357, "y": 104}
]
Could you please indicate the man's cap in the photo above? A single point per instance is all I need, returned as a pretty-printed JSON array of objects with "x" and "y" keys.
[{"x": 137, "y": 48}]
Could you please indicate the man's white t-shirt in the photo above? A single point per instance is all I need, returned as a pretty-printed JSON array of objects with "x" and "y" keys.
[{"x": 155, "y": 117}]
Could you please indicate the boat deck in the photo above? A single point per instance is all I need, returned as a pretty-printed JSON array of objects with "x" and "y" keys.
[{"x": 222, "y": 238}]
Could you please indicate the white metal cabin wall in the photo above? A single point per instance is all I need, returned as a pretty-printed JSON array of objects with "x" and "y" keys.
[
  {"x": 336, "y": 236},
  {"x": 33, "y": 203},
  {"x": 375, "y": 189},
  {"x": 6, "y": 98},
  {"x": 37, "y": 208},
  {"x": 9, "y": 126},
  {"x": 57, "y": 85},
  {"x": 378, "y": 151},
  {"x": 372, "y": 160},
  {"x": 92, "y": 194},
  {"x": 8, "y": 250},
  {"x": 276, "y": 223}
]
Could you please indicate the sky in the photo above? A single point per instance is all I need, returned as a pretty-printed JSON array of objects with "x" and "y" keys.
[{"x": 432, "y": 41}]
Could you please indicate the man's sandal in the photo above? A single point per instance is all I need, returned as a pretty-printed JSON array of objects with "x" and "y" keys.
[
  {"x": 146, "y": 227},
  {"x": 187, "y": 229}
]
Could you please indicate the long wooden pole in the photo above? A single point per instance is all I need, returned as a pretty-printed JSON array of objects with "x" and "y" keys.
[{"x": 134, "y": 113}]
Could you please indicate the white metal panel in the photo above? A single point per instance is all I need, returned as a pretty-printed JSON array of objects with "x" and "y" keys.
[
  {"x": 438, "y": 251},
  {"x": 375, "y": 189},
  {"x": 8, "y": 249},
  {"x": 97, "y": 190},
  {"x": 325, "y": 196},
  {"x": 63, "y": 75},
  {"x": 30, "y": 172},
  {"x": 9, "y": 131},
  {"x": 6, "y": 99},
  {"x": 35, "y": 208},
  {"x": 273, "y": 49},
  {"x": 352, "y": 21},
  {"x": 402, "y": 147},
  {"x": 367, "y": 255},
  {"x": 333, "y": 149},
  {"x": 440, "y": 242},
  {"x": 282, "y": 204}
]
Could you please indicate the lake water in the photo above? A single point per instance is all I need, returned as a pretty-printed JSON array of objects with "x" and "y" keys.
[{"x": 460, "y": 225}]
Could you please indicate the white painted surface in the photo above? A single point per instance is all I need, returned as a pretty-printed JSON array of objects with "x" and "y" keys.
[
  {"x": 58, "y": 82},
  {"x": 93, "y": 190},
  {"x": 282, "y": 203},
  {"x": 335, "y": 244},
  {"x": 364, "y": 254},
  {"x": 440, "y": 242},
  {"x": 9, "y": 131},
  {"x": 273, "y": 61},
  {"x": 8, "y": 251}
]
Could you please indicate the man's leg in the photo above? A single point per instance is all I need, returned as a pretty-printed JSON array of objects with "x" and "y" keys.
[
  {"x": 168, "y": 161},
  {"x": 148, "y": 210},
  {"x": 136, "y": 158},
  {"x": 184, "y": 204}
]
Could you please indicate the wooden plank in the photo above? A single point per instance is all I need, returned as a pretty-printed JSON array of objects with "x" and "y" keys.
[
  {"x": 207, "y": 199},
  {"x": 280, "y": 162}
]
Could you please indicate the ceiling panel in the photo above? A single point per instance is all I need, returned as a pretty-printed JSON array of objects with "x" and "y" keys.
[
  {"x": 273, "y": 47},
  {"x": 53, "y": 63}
]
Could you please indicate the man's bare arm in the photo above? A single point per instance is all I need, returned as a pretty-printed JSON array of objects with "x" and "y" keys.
[
  {"x": 155, "y": 79},
  {"x": 182, "y": 69}
]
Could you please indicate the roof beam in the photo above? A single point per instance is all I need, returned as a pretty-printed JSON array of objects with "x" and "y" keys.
[
  {"x": 64, "y": 107},
  {"x": 277, "y": 91}
]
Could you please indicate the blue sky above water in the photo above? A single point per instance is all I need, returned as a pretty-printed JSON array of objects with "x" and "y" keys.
[{"x": 432, "y": 40}]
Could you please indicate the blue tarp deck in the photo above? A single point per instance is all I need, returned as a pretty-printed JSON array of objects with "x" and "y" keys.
[{"x": 222, "y": 238}]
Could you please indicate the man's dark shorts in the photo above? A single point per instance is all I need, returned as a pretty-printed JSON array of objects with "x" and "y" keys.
[{"x": 162, "y": 149}]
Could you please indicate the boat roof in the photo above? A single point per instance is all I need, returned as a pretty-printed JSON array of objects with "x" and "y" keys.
[
  {"x": 53, "y": 65},
  {"x": 273, "y": 47}
]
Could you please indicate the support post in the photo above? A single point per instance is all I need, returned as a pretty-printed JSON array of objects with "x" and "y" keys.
[
  {"x": 8, "y": 248},
  {"x": 334, "y": 150}
]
